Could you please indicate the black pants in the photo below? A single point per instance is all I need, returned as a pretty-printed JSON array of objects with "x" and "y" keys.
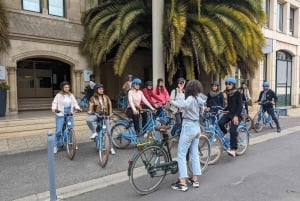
[
  {"x": 233, "y": 130},
  {"x": 270, "y": 111},
  {"x": 178, "y": 120},
  {"x": 135, "y": 118}
]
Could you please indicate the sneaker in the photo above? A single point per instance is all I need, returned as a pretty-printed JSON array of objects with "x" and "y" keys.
[
  {"x": 278, "y": 130},
  {"x": 179, "y": 186},
  {"x": 93, "y": 136},
  {"x": 231, "y": 152},
  {"x": 194, "y": 183},
  {"x": 76, "y": 147},
  {"x": 55, "y": 150},
  {"x": 112, "y": 151}
]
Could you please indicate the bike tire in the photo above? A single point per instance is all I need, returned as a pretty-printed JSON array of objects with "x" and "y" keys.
[
  {"x": 119, "y": 142},
  {"x": 103, "y": 151},
  {"x": 216, "y": 148},
  {"x": 257, "y": 123},
  {"x": 204, "y": 154},
  {"x": 71, "y": 144},
  {"x": 143, "y": 177},
  {"x": 243, "y": 141}
]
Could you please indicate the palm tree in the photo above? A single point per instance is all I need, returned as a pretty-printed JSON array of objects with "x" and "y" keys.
[
  {"x": 4, "y": 41},
  {"x": 201, "y": 35}
]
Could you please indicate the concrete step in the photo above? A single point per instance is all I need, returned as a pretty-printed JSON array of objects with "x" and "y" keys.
[{"x": 34, "y": 103}]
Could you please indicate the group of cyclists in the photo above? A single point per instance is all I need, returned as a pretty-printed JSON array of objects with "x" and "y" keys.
[{"x": 184, "y": 103}]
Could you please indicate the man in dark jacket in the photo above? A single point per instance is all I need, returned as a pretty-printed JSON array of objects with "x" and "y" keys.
[
  {"x": 234, "y": 108},
  {"x": 267, "y": 98}
]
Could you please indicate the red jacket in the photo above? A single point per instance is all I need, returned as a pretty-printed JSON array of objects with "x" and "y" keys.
[{"x": 150, "y": 96}]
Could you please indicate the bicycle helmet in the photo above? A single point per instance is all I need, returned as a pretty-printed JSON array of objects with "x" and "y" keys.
[
  {"x": 215, "y": 83},
  {"x": 181, "y": 79},
  {"x": 136, "y": 81},
  {"x": 63, "y": 83},
  {"x": 149, "y": 83},
  {"x": 97, "y": 86},
  {"x": 266, "y": 84},
  {"x": 130, "y": 75},
  {"x": 230, "y": 80}
]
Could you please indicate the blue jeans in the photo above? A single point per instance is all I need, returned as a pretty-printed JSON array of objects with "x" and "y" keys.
[
  {"x": 59, "y": 121},
  {"x": 189, "y": 139}
]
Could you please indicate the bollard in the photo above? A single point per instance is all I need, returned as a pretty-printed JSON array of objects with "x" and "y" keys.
[{"x": 51, "y": 166}]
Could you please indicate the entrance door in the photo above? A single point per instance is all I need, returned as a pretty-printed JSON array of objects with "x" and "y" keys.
[{"x": 34, "y": 79}]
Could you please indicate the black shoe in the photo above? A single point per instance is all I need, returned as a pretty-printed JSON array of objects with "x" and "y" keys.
[
  {"x": 179, "y": 186},
  {"x": 194, "y": 183},
  {"x": 278, "y": 130}
]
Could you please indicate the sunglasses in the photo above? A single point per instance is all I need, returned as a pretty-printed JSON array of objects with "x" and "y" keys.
[
  {"x": 180, "y": 83},
  {"x": 228, "y": 83}
]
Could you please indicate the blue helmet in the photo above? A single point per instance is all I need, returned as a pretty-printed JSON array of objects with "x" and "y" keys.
[
  {"x": 266, "y": 84},
  {"x": 231, "y": 80},
  {"x": 136, "y": 81}
]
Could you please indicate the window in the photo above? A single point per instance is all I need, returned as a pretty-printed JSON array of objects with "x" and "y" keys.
[
  {"x": 56, "y": 7},
  {"x": 32, "y": 5},
  {"x": 279, "y": 17},
  {"x": 292, "y": 20},
  {"x": 267, "y": 9},
  {"x": 265, "y": 68}
]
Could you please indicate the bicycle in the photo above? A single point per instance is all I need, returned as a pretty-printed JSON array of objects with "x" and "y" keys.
[
  {"x": 246, "y": 119},
  {"x": 261, "y": 118},
  {"x": 151, "y": 163},
  {"x": 102, "y": 139},
  {"x": 68, "y": 136},
  {"x": 122, "y": 101},
  {"x": 220, "y": 143},
  {"x": 123, "y": 132},
  {"x": 83, "y": 101}
]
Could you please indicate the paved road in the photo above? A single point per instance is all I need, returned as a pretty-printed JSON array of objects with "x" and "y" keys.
[
  {"x": 269, "y": 171},
  {"x": 27, "y": 173}
]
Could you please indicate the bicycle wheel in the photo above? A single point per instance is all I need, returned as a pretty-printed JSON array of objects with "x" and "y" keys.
[
  {"x": 144, "y": 176},
  {"x": 204, "y": 152},
  {"x": 116, "y": 131},
  {"x": 258, "y": 122},
  {"x": 243, "y": 141},
  {"x": 216, "y": 148},
  {"x": 71, "y": 144},
  {"x": 104, "y": 148}
]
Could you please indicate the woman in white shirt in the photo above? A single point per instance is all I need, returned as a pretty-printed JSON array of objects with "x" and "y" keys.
[{"x": 65, "y": 102}]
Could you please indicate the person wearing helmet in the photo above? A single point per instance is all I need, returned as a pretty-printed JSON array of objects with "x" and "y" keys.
[
  {"x": 234, "y": 108},
  {"x": 191, "y": 102},
  {"x": 127, "y": 85},
  {"x": 151, "y": 97},
  {"x": 215, "y": 97},
  {"x": 161, "y": 92},
  {"x": 174, "y": 107},
  {"x": 245, "y": 95},
  {"x": 135, "y": 97},
  {"x": 99, "y": 103},
  {"x": 65, "y": 102},
  {"x": 267, "y": 98}
]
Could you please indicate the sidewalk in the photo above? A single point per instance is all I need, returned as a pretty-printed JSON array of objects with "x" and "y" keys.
[{"x": 31, "y": 143}]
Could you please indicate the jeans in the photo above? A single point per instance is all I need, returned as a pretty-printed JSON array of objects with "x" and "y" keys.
[
  {"x": 59, "y": 121},
  {"x": 189, "y": 139}
]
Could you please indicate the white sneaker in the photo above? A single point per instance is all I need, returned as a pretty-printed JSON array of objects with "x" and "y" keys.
[
  {"x": 112, "y": 151},
  {"x": 93, "y": 136},
  {"x": 76, "y": 147},
  {"x": 55, "y": 150}
]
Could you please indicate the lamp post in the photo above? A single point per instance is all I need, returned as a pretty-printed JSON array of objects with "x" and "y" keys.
[{"x": 158, "y": 69}]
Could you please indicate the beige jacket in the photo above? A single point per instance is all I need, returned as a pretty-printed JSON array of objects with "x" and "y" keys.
[{"x": 58, "y": 103}]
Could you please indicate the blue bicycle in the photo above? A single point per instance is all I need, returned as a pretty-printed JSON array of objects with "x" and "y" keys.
[
  {"x": 103, "y": 139},
  {"x": 219, "y": 142},
  {"x": 68, "y": 136},
  {"x": 123, "y": 132},
  {"x": 122, "y": 101},
  {"x": 261, "y": 118},
  {"x": 83, "y": 101}
]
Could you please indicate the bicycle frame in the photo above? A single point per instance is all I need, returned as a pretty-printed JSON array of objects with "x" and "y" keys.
[
  {"x": 66, "y": 127},
  {"x": 101, "y": 128}
]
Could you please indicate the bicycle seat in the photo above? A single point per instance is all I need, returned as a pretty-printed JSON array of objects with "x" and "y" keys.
[{"x": 163, "y": 128}]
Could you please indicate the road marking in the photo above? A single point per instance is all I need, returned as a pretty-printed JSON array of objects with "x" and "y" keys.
[{"x": 102, "y": 182}]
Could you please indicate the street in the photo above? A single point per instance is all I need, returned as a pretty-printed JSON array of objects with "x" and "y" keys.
[{"x": 268, "y": 171}]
